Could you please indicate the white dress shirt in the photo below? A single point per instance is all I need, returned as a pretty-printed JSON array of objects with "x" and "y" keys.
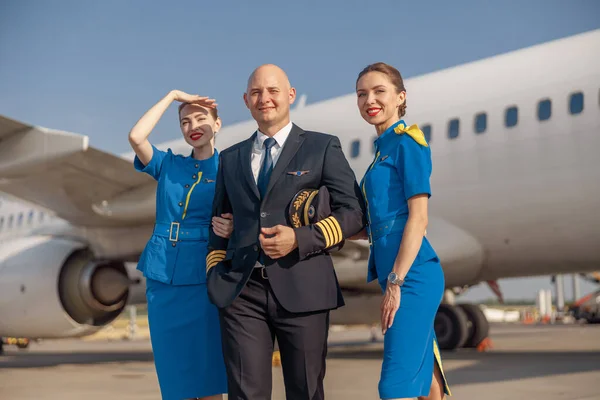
[{"x": 258, "y": 150}]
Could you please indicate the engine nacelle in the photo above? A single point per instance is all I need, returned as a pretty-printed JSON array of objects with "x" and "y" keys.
[
  {"x": 462, "y": 258},
  {"x": 52, "y": 287}
]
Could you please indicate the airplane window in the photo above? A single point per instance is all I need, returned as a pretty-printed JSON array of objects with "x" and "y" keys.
[
  {"x": 453, "y": 127},
  {"x": 544, "y": 109},
  {"x": 20, "y": 219},
  {"x": 30, "y": 217},
  {"x": 355, "y": 149},
  {"x": 512, "y": 116},
  {"x": 41, "y": 216},
  {"x": 576, "y": 103},
  {"x": 480, "y": 122},
  {"x": 1, "y": 223},
  {"x": 10, "y": 221},
  {"x": 427, "y": 132}
]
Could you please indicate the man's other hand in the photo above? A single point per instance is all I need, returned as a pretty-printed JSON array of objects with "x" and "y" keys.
[{"x": 278, "y": 241}]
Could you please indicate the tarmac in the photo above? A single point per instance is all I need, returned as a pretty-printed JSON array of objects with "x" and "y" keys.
[{"x": 547, "y": 362}]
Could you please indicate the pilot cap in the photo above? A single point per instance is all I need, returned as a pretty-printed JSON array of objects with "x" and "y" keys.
[{"x": 310, "y": 206}]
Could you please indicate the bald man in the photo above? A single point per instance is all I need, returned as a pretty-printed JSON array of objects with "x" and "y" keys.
[{"x": 269, "y": 279}]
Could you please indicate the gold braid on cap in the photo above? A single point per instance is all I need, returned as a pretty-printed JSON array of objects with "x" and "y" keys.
[{"x": 298, "y": 207}]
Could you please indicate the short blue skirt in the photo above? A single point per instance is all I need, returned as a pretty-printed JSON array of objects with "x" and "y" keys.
[
  {"x": 186, "y": 341},
  {"x": 410, "y": 345}
]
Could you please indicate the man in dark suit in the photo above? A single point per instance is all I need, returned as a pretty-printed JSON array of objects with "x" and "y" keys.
[{"x": 269, "y": 279}]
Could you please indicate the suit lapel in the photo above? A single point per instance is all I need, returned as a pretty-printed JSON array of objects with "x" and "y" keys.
[
  {"x": 291, "y": 146},
  {"x": 245, "y": 164}
]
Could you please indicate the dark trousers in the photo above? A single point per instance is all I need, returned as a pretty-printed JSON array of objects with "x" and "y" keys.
[{"x": 248, "y": 328}]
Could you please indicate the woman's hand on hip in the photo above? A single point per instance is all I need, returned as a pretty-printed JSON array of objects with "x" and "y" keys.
[
  {"x": 223, "y": 225},
  {"x": 184, "y": 97},
  {"x": 389, "y": 305}
]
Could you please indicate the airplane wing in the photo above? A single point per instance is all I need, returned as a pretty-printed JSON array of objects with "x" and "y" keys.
[{"x": 59, "y": 171}]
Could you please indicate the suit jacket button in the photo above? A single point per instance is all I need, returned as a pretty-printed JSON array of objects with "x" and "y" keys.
[
  {"x": 196, "y": 166},
  {"x": 173, "y": 244},
  {"x": 193, "y": 176},
  {"x": 263, "y": 214},
  {"x": 255, "y": 248},
  {"x": 187, "y": 186},
  {"x": 180, "y": 204}
]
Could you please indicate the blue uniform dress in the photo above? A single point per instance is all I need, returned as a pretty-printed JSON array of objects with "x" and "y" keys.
[
  {"x": 184, "y": 325},
  {"x": 400, "y": 170}
]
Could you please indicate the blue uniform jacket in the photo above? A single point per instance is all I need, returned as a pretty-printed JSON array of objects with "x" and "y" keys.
[
  {"x": 401, "y": 169},
  {"x": 176, "y": 252}
]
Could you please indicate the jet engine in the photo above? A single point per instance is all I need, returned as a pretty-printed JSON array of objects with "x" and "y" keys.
[{"x": 53, "y": 287}]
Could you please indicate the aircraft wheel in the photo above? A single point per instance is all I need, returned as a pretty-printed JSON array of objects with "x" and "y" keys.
[
  {"x": 1, "y": 347},
  {"x": 451, "y": 327},
  {"x": 478, "y": 325}
]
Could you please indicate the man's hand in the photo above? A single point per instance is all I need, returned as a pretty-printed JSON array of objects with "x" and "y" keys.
[{"x": 278, "y": 241}]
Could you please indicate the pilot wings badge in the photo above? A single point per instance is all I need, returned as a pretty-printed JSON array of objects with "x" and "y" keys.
[{"x": 298, "y": 173}]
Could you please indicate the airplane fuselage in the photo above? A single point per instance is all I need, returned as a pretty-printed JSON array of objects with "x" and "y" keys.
[{"x": 515, "y": 183}]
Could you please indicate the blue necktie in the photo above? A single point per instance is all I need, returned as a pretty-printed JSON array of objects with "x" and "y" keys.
[
  {"x": 263, "y": 180},
  {"x": 266, "y": 168}
]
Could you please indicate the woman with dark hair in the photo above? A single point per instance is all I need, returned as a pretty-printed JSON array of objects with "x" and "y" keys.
[
  {"x": 396, "y": 190},
  {"x": 184, "y": 325}
]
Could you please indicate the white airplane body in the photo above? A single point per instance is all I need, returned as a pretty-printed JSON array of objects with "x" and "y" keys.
[{"x": 509, "y": 201}]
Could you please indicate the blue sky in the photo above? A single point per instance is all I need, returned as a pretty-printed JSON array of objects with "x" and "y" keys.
[{"x": 95, "y": 67}]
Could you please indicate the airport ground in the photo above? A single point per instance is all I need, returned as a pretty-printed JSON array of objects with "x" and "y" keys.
[{"x": 527, "y": 362}]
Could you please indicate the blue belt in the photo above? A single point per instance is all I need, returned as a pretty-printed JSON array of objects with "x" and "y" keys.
[
  {"x": 382, "y": 228},
  {"x": 175, "y": 232}
]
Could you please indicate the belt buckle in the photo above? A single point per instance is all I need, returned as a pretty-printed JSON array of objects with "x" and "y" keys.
[
  {"x": 263, "y": 272},
  {"x": 176, "y": 224}
]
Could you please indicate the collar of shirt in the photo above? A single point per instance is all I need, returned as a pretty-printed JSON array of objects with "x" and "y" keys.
[
  {"x": 280, "y": 137},
  {"x": 388, "y": 133},
  {"x": 210, "y": 163},
  {"x": 258, "y": 153}
]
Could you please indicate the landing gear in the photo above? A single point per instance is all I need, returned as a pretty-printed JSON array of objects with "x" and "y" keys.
[
  {"x": 451, "y": 327},
  {"x": 458, "y": 326},
  {"x": 478, "y": 325},
  {"x": 1, "y": 346}
]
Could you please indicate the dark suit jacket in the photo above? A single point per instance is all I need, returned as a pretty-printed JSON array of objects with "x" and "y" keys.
[{"x": 305, "y": 279}]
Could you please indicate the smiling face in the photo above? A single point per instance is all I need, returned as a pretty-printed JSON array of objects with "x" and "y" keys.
[
  {"x": 379, "y": 100},
  {"x": 198, "y": 125},
  {"x": 268, "y": 97}
]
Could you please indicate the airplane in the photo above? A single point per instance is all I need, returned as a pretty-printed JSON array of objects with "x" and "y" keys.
[{"x": 516, "y": 183}]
